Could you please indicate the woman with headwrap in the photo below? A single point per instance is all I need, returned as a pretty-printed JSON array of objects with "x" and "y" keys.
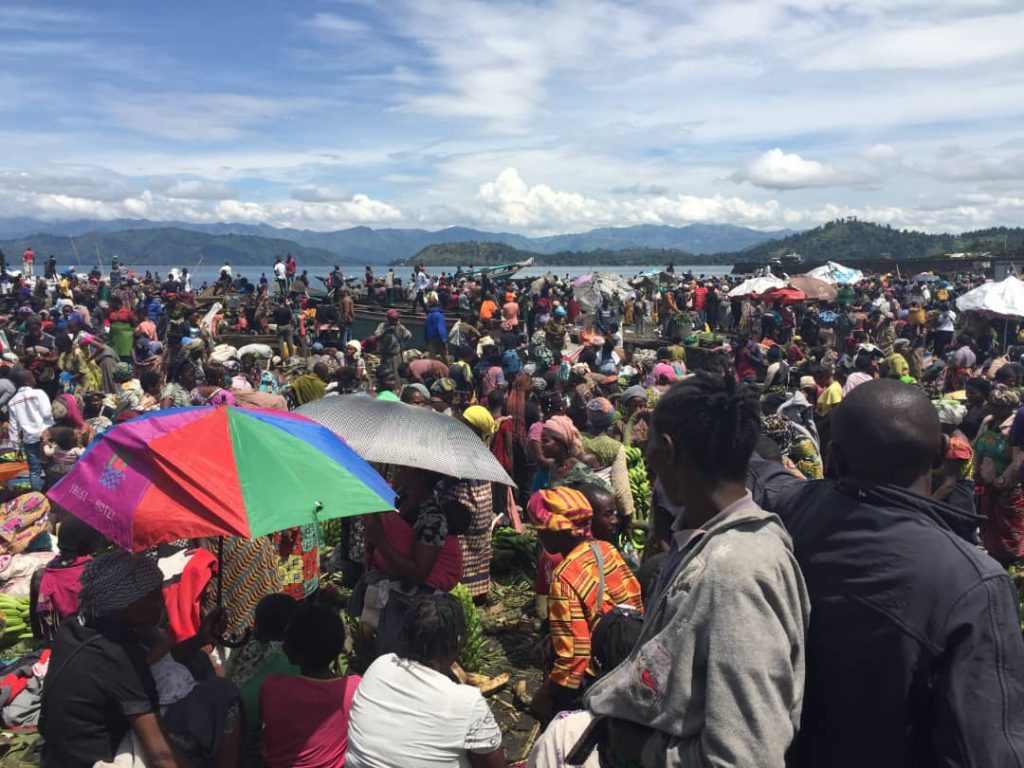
[
  {"x": 554, "y": 332},
  {"x": 562, "y": 448},
  {"x": 997, "y": 478},
  {"x": 953, "y": 481},
  {"x": 476, "y": 496},
  {"x": 610, "y": 454},
  {"x": 591, "y": 580},
  {"x": 100, "y": 687}
]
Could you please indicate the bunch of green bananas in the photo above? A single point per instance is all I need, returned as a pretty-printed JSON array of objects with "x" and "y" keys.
[
  {"x": 638, "y": 483},
  {"x": 471, "y": 657},
  {"x": 16, "y": 625}
]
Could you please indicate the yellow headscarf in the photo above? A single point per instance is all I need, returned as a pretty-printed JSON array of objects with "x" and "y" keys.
[{"x": 480, "y": 419}]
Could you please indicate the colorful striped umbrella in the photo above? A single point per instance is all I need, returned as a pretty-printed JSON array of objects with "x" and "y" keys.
[{"x": 195, "y": 472}]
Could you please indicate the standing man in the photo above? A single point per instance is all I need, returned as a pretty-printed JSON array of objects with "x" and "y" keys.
[
  {"x": 393, "y": 339},
  {"x": 28, "y": 262},
  {"x": 420, "y": 286},
  {"x": 915, "y": 655},
  {"x": 289, "y": 270},
  {"x": 435, "y": 331},
  {"x": 30, "y": 416},
  {"x": 281, "y": 276},
  {"x": 346, "y": 316},
  {"x": 389, "y": 286}
]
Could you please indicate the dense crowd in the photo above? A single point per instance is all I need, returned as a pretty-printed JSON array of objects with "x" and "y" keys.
[{"x": 768, "y": 531}]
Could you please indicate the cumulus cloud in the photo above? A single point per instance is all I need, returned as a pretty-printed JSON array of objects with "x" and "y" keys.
[
  {"x": 776, "y": 169},
  {"x": 316, "y": 193},
  {"x": 199, "y": 189}
]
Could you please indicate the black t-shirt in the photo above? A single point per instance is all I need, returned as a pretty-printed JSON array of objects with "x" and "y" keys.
[{"x": 97, "y": 679}]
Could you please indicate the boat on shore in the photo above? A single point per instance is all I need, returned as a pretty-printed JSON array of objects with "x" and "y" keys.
[{"x": 499, "y": 272}]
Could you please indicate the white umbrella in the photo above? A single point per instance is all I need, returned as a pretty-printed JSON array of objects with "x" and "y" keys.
[
  {"x": 1003, "y": 298},
  {"x": 833, "y": 272},
  {"x": 755, "y": 286},
  {"x": 591, "y": 289}
]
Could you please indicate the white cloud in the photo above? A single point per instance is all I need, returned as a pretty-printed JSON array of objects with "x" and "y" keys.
[
  {"x": 197, "y": 117},
  {"x": 198, "y": 189},
  {"x": 923, "y": 43},
  {"x": 316, "y": 193},
  {"x": 776, "y": 169}
]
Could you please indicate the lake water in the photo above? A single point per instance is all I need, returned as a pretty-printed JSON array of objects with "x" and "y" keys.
[{"x": 209, "y": 274}]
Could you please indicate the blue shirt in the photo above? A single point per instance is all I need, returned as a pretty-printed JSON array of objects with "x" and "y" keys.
[{"x": 435, "y": 327}]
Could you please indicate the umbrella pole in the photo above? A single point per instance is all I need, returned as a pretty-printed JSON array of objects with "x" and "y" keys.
[{"x": 220, "y": 571}]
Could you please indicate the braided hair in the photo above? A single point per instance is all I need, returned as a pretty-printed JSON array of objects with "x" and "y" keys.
[
  {"x": 713, "y": 421},
  {"x": 434, "y": 626}
]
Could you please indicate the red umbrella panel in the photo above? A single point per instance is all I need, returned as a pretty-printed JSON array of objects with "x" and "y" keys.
[{"x": 784, "y": 295}]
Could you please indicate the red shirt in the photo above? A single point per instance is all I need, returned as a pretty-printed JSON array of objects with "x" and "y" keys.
[
  {"x": 305, "y": 721},
  {"x": 29, "y": 256}
]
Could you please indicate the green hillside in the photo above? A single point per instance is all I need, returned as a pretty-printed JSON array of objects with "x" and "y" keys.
[
  {"x": 166, "y": 245},
  {"x": 851, "y": 240}
]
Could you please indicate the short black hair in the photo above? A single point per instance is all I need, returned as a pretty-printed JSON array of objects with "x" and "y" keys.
[
  {"x": 273, "y": 613},
  {"x": 712, "y": 421},
  {"x": 149, "y": 378},
  {"x": 21, "y": 377},
  {"x": 979, "y": 384},
  {"x": 433, "y": 628},
  {"x": 316, "y": 635}
]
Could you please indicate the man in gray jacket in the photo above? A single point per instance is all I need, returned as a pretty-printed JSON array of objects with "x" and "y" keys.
[{"x": 717, "y": 677}]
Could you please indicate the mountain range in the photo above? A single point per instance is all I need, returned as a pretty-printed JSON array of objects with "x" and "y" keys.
[
  {"x": 148, "y": 242},
  {"x": 144, "y": 243}
]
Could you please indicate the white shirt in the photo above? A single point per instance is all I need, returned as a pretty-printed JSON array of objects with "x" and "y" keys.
[
  {"x": 30, "y": 414},
  {"x": 947, "y": 319},
  {"x": 280, "y": 271},
  {"x": 421, "y": 281},
  {"x": 406, "y": 714}
]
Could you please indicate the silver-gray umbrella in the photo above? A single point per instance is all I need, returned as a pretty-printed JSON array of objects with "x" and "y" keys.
[{"x": 388, "y": 432}]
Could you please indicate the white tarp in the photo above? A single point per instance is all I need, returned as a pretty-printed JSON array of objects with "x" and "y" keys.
[
  {"x": 1003, "y": 298},
  {"x": 755, "y": 286},
  {"x": 834, "y": 272},
  {"x": 589, "y": 289}
]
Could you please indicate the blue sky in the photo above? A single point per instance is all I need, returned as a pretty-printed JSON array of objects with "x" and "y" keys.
[{"x": 536, "y": 117}]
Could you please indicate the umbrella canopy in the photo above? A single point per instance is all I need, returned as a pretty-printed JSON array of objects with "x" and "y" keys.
[
  {"x": 590, "y": 289},
  {"x": 816, "y": 290},
  {"x": 925, "y": 277},
  {"x": 785, "y": 295},
  {"x": 396, "y": 433},
  {"x": 755, "y": 286},
  {"x": 834, "y": 272},
  {"x": 1003, "y": 298},
  {"x": 194, "y": 472}
]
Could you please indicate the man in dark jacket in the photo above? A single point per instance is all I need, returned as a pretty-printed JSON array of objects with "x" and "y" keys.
[{"x": 915, "y": 656}]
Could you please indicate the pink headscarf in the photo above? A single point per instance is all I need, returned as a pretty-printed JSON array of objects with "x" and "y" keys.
[
  {"x": 562, "y": 428},
  {"x": 74, "y": 413}
]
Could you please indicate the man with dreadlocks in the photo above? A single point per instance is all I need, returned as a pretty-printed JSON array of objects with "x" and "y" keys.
[
  {"x": 408, "y": 712},
  {"x": 717, "y": 676},
  {"x": 100, "y": 689}
]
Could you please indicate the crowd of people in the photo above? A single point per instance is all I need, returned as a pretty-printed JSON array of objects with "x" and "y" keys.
[{"x": 768, "y": 533}]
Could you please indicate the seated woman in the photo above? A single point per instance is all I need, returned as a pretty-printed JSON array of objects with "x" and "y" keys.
[
  {"x": 55, "y": 588},
  {"x": 249, "y": 666},
  {"x": 409, "y": 712},
  {"x": 413, "y": 551},
  {"x": 591, "y": 580},
  {"x": 100, "y": 689},
  {"x": 305, "y": 716}
]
